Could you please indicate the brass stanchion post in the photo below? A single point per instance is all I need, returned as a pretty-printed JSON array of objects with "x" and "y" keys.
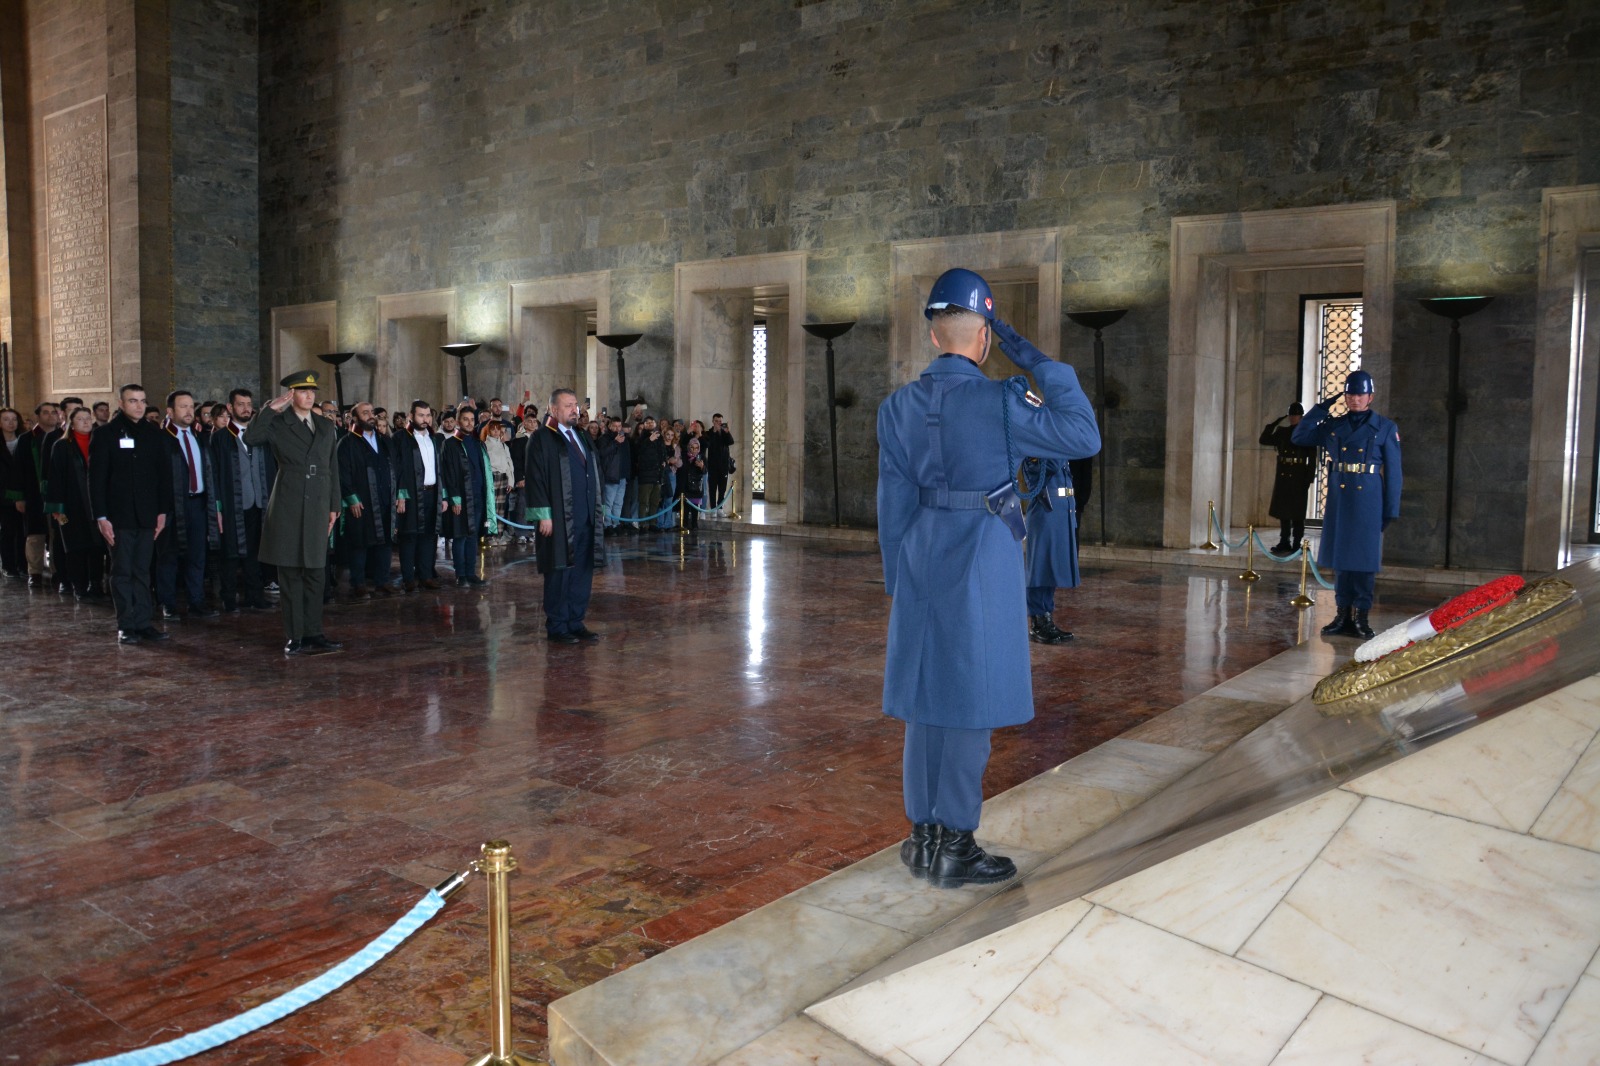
[
  {"x": 1249, "y": 555},
  {"x": 497, "y": 864},
  {"x": 483, "y": 551},
  {"x": 1303, "y": 600},
  {"x": 1211, "y": 523}
]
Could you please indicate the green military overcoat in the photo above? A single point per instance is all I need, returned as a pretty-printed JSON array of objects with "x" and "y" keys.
[{"x": 305, "y": 491}]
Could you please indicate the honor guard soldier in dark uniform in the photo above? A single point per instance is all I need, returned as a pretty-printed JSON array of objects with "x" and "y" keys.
[
  {"x": 1363, "y": 456},
  {"x": 1293, "y": 481},
  {"x": 1051, "y": 547},
  {"x": 303, "y": 508},
  {"x": 950, "y": 529}
]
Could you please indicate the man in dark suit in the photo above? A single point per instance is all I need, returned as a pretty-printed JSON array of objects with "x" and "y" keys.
[
  {"x": 366, "y": 478},
  {"x": 564, "y": 499},
  {"x": 130, "y": 490},
  {"x": 303, "y": 507},
  {"x": 244, "y": 476},
  {"x": 194, "y": 525},
  {"x": 416, "y": 478}
]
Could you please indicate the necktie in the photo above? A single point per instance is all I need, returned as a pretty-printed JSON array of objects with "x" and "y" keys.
[
  {"x": 188, "y": 457},
  {"x": 572, "y": 443}
]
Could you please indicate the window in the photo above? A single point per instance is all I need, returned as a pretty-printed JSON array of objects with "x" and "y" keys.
[
  {"x": 758, "y": 413},
  {"x": 1331, "y": 327}
]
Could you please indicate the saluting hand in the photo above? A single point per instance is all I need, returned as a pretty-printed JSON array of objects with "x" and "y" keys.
[{"x": 282, "y": 401}]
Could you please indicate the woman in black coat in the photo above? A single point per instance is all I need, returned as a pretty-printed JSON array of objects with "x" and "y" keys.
[
  {"x": 13, "y": 531},
  {"x": 66, "y": 501}
]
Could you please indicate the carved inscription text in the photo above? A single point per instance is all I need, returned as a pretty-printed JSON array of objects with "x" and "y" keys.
[{"x": 76, "y": 230}]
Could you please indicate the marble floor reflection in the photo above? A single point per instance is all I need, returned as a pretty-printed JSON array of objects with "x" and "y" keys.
[{"x": 193, "y": 828}]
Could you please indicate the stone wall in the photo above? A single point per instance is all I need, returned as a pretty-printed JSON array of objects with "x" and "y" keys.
[
  {"x": 215, "y": 196},
  {"x": 407, "y": 147}
]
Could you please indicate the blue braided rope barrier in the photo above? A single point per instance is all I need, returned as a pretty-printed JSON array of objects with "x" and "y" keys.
[
  {"x": 620, "y": 518},
  {"x": 1267, "y": 552},
  {"x": 1312, "y": 562},
  {"x": 272, "y": 1010},
  {"x": 1223, "y": 536}
]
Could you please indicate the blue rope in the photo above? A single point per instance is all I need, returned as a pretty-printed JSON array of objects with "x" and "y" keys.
[
  {"x": 1318, "y": 573},
  {"x": 1222, "y": 536},
  {"x": 286, "y": 1004},
  {"x": 1268, "y": 554},
  {"x": 621, "y": 518}
]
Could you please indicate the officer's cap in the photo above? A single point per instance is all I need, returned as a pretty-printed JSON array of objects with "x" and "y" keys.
[
  {"x": 300, "y": 379},
  {"x": 1297, "y": 408}
]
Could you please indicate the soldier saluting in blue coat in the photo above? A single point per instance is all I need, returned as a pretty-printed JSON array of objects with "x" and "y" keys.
[
  {"x": 1363, "y": 456},
  {"x": 950, "y": 529},
  {"x": 1051, "y": 547}
]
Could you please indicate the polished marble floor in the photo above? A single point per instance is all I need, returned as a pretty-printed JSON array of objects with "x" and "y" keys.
[{"x": 192, "y": 828}]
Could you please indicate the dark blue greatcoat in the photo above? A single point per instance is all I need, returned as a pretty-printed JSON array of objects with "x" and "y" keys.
[
  {"x": 958, "y": 627},
  {"x": 1358, "y": 503},
  {"x": 1052, "y": 544}
]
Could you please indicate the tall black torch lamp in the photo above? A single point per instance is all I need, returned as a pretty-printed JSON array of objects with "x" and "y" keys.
[
  {"x": 620, "y": 341},
  {"x": 337, "y": 360},
  {"x": 460, "y": 351},
  {"x": 1100, "y": 321},
  {"x": 1455, "y": 308},
  {"x": 827, "y": 331}
]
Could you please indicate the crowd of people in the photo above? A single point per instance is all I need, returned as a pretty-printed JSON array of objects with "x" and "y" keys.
[{"x": 409, "y": 483}]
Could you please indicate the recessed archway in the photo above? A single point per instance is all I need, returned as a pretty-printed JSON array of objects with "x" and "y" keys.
[{"x": 1210, "y": 256}]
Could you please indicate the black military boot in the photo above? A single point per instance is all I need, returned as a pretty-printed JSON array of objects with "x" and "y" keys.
[
  {"x": 1039, "y": 629},
  {"x": 917, "y": 850},
  {"x": 960, "y": 861},
  {"x": 1359, "y": 627},
  {"x": 1061, "y": 635},
  {"x": 1340, "y": 626}
]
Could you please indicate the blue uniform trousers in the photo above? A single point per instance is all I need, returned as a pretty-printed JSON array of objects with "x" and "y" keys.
[
  {"x": 942, "y": 775},
  {"x": 1353, "y": 588},
  {"x": 1041, "y": 600}
]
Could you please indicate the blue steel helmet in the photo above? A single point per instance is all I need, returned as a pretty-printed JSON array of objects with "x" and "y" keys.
[
  {"x": 1359, "y": 383},
  {"x": 961, "y": 288}
]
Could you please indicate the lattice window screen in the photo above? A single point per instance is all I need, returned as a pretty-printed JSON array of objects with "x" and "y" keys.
[
  {"x": 1338, "y": 340},
  {"x": 758, "y": 414}
]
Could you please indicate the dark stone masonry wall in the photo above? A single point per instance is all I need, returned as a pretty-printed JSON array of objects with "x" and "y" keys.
[
  {"x": 215, "y": 195},
  {"x": 410, "y": 146}
]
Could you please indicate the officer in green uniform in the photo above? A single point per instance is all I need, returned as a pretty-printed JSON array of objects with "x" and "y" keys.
[{"x": 304, "y": 506}]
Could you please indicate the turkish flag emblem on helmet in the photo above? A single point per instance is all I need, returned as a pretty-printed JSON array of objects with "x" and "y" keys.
[{"x": 988, "y": 303}]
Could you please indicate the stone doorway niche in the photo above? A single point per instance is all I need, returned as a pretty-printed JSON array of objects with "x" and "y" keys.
[
  {"x": 1266, "y": 374},
  {"x": 715, "y": 311},
  {"x": 1023, "y": 269},
  {"x": 1561, "y": 460},
  {"x": 300, "y": 333},
  {"x": 551, "y": 345},
  {"x": 410, "y": 366},
  {"x": 1217, "y": 267}
]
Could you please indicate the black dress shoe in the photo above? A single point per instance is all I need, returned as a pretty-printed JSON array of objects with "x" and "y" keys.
[
  {"x": 127, "y": 636},
  {"x": 584, "y": 633},
  {"x": 292, "y": 647},
  {"x": 960, "y": 861},
  {"x": 202, "y": 612},
  {"x": 917, "y": 850},
  {"x": 322, "y": 642},
  {"x": 565, "y": 638},
  {"x": 152, "y": 633}
]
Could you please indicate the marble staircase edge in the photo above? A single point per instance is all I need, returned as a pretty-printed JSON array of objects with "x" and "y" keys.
[{"x": 857, "y": 893}]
